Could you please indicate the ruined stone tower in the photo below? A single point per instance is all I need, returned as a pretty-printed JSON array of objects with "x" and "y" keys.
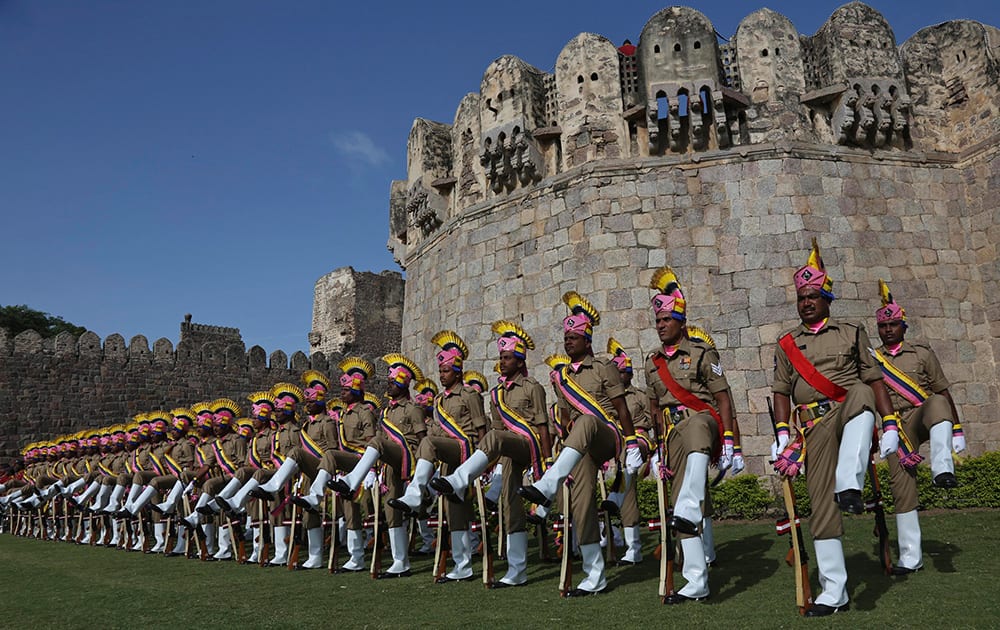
[{"x": 721, "y": 159}]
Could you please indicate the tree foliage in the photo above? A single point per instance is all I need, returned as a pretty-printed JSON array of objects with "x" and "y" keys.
[{"x": 17, "y": 319}]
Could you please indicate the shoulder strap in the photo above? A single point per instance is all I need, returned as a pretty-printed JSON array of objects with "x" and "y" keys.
[
  {"x": 809, "y": 372},
  {"x": 682, "y": 395}
]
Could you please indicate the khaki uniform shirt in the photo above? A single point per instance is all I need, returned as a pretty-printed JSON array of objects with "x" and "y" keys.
[
  {"x": 260, "y": 448},
  {"x": 526, "y": 397},
  {"x": 204, "y": 454},
  {"x": 182, "y": 452},
  {"x": 234, "y": 448},
  {"x": 284, "y": 439},
  {"x": 638, "y": 406},
  {"x": 322, "y": 429},
  {"x": 408, "y": 417},
  {"x": 695, "y": 366},
  {"x": 465, "y": 405},
  {"x": 601, "y": 379},
  {"x": 920, "y": 363},
  {"x": 357, "y": 426},
  {"x": 841, "y": 351}
]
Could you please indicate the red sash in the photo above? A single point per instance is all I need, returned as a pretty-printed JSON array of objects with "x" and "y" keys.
[
  {"x": 809, "y": 372},
  {"x": 688, "y": 399}
]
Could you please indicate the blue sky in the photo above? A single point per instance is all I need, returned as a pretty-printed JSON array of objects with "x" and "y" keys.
[{"x": 217, "y": 157}]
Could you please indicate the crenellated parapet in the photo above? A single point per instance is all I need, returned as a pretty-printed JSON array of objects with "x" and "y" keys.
[
  {"x": 720, "y": 157},
  {"x": 113, "y": 350},
  {"x": 684, "y": 90}
]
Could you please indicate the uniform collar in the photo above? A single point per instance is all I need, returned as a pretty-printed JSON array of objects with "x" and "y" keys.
[
  {"x": 517, "y": 379},
  {"x": 831, "y": 323},
  {"x": 683, "y": 347}
]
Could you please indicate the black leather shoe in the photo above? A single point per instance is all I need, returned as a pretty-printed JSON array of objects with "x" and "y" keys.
[
  {"x": 264, "y": 495},
  {"x": 499, "y": 584},
  {"x": 610, "y": 507},
  {"x": 533, "y": 494},
  {"x": 442, "y": 485},
  {"x": 389, "y": 576},
  {"x": 677, "y": 598},
  {"x": 850, "y": 501},
  {"x": 346, "y": 570},
  {"x": 340, "y": 487},
  {"x": 822, "y": 610},
  {"x": 898, "y": 570},
  {"x": 683, "y": 525},
  {"x": 206, "y": 511},
  {"x": 444, "y": 579},
  {"x": 945, "y": 480},
  {"x": 305, "y": 505},
  {"x": 399, "y": 505},
  {"x": 579, "y": 592}
]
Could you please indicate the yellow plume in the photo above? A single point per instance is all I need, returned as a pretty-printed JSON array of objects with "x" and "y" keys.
[
  {"x": 447, "y": 338},
  {"x": 507, "y": 328},
  {"x": 578, "y": 304}
]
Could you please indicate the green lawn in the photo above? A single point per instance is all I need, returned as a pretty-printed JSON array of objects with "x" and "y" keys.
[{"x": 48, "y": 584}]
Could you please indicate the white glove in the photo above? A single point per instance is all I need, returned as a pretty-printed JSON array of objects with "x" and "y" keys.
[
  {"x": 633, "y": 459},
  {"x": 726, "y": 460},
  {"x": 778, "y": 446},
  {"x": 958, "y": 443},
  {"x": 889, "y": 443},
  {"x": 654, "y": 463},
  {"x": 738, "y": 464},
  {"x": 370, "y": 479}
]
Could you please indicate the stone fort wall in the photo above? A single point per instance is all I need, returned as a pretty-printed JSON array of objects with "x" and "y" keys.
[
  {"x": 721, "y": 160},
  {"x": 63, "y": 384}
]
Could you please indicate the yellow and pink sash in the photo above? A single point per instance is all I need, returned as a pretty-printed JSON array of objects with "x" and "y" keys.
[
  {"x": 255, "y": 459},
  {"x": 158, "y": 467},
  {"x": 309, "y": 445},
  {"x": 450, "y": 426},
  {"x": 224, "y": 462},
  {"x": 172, "y": 466},
  {"x": 516, "y": 424},
  {"x": 277, "y": 458},
  {"x": 581, "y": 400},
  {"x": 344, "y": 443},
  {"x": 900, "y": 382},
  {"x": 396, "y": 435}
]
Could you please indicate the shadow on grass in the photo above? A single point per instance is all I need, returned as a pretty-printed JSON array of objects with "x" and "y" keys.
[
  {"x": 740, "y": 563},
  {"x": 871, "y": 582},
  {"x": 942, "y": 554}
]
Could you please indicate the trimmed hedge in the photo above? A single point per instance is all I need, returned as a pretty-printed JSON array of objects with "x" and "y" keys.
[{"x": 749, "y": 497}]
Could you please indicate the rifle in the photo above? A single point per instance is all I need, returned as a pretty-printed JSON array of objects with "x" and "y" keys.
[
  {"x": 378, "y": 545},
  {"x": 441, "y": 548},
  {"x": 484, "y": 531},
  {"x": 881, "y": 530},
  {"x": 237, "y": 539},
  {"x": 501, "y": 537},
  {"x": 79, "y": 528},
  {"x": 169, "y": 532},
  {"x": 609, "y": 547},
  {"x": 265, "y": 533},
  {"x": 144, "y": 527},
  {"x": 331, "y": 561},
  {"x": 667, "y": 552},
  {"x": 797, "y": 557},
  {"x": 566, "y": 566},
  {"x": 195, "y": 532},
  {"x": 297, "y": 529}
]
